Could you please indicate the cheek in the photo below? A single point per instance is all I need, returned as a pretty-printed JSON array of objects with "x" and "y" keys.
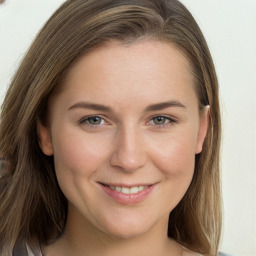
[
  {"x": 176, "y": 157},
  {"x": 176, "y": 163},
  {"x": 77, "y": 154},
  {"x": 77, "y": 159}
]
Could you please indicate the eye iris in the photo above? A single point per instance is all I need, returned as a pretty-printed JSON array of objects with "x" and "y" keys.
[
  {"x": 159, "y": 120},
  {"x": 94, "y": 120}
]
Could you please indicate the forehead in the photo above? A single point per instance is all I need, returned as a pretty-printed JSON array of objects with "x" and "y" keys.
[
  {"x": 144, "y": 68},
  {"x": 152, "y": 53}
]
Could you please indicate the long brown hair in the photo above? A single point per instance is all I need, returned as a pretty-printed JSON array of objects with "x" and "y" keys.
[{"x": 31, "y": 202}]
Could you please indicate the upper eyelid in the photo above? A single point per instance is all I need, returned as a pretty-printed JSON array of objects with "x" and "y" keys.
[
  {"x": 171, "y": 118},
  {"x": 166, "y": 116},
  {"x": 84, "y": 119},
  {"x": 171, "y": 122},
  {"x": 93, "y": 115}
]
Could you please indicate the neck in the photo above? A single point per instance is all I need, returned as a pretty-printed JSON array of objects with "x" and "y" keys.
[{"x": 82, "y": 238}]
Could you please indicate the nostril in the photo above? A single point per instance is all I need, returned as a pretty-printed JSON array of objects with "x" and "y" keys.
[{"x": 128, "y": 153}]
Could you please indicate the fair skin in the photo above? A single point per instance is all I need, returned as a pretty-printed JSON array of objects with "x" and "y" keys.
[{"x": 126, "y": 117}]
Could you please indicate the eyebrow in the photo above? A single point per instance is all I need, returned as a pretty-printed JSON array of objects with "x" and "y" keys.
[
  {"x": 163, "y": 105},
  {"x": 93, "y": 106},
  {"x": 153, "y": 107}
]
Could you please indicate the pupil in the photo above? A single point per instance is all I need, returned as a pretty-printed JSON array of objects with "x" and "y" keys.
[
  {"x": 159, "y": 120},
  {"x": 95, "y": 120}
]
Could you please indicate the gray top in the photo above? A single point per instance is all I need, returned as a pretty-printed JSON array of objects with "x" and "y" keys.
[{"x": 33, "y": 249}]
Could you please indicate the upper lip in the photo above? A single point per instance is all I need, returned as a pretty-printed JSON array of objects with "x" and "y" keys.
[{"x": 126, "y": 185}]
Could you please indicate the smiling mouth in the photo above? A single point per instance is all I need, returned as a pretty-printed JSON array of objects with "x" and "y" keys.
[
  {"x": 127, "y": 194},
  {"x": 127, "y": 190}
]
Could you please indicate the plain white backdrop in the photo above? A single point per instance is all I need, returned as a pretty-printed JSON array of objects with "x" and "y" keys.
[{"x": 230, "y": 30}]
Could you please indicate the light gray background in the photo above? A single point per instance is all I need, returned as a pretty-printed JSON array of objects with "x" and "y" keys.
[{"x": 230, "y": 29}]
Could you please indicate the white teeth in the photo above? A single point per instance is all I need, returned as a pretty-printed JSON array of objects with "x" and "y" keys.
[
  {"x": 132, "y": 190},
  {"x": 141, "y": 188},
  {"x": 125, "y": 190},
  {"x": 119, "y": 189}
]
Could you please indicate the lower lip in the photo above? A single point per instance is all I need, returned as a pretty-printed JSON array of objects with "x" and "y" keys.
[{"x": 122, "y": 198}]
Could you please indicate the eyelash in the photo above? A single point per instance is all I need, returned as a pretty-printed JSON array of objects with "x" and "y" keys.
[
  {"x": 85, "y": 120},
  {"x": 168, "y": 121}
]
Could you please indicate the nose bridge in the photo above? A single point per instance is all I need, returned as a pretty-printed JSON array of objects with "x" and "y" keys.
[{"x": 129, "y": 151}]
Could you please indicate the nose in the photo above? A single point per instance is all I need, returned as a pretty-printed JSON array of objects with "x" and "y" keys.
[{"x": 129, "y": 154}]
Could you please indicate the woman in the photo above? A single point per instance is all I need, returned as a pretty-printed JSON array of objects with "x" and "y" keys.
[{"x": 110, "y": 134}]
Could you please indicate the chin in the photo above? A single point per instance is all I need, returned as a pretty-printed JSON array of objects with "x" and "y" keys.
[
  {"x": 126, "y": 232},
  {"x": 127, "y": 227}
]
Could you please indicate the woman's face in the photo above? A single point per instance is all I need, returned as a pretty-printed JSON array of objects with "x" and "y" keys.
[{"x": 124, "y": 130}]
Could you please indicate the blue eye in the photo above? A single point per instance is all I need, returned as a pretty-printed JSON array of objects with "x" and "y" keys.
[
  {"x": 93, "y": 120},
  {"x": 161, "y": 121}
]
